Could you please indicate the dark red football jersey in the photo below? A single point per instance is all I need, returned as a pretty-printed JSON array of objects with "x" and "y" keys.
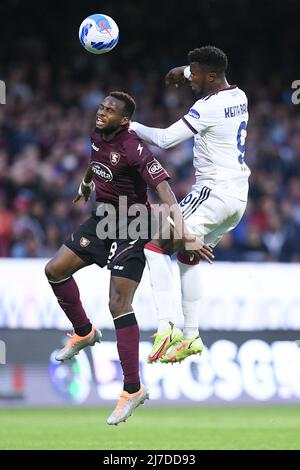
[{"x": 125, "y": 166}]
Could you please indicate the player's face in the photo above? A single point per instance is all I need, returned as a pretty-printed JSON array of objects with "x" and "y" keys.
[
  {"x": 200, "y": 80},
  {"x": 110, "y": 115}
]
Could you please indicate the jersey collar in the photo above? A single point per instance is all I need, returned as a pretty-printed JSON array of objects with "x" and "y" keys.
[{"x": 230, "y": 87}]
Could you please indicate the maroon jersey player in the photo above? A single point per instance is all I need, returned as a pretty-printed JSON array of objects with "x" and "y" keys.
[{"x": 121, "y": 165}]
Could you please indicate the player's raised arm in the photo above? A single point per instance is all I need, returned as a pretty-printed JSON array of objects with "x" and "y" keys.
[
  {"x": 87, "y": 186},
  {"x": 177, "y": 132},
  {"x": 164, "y": 138},
  {"x": 178, "y": 75}
]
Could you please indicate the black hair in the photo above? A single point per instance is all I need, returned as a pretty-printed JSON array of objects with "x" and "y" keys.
[
  {"x": 211, "y": 58},
  {"x": 130, "y": 105}
]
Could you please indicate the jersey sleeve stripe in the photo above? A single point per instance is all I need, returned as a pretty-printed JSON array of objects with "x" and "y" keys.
[{"x": 189, "y": 125}]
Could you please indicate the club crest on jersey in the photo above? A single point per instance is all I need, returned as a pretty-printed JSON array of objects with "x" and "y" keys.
[
  {"x": 102, "y": 171},
  {"x": 95, "y": 148},
  {"x": 154, "y": 168},
  {"x": 84, "y": 242},
  {"x": 114, "y": 158},
  {"x": 192, "y": 112}
]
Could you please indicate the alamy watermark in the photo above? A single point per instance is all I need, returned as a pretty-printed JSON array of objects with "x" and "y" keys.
[
  {"x": 296, "y": 94},
  {"x": 2, "y": 92},
  {"x": 135, "y": 222},
  {"x": 2, "y": 352}
]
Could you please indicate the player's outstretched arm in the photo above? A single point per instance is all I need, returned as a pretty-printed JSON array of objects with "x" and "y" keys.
[
  {"x": 87, "y": 186},
  {"x": 177, "y": 76},
  {"x": 181, "y": 232},
  {"x": 163, "y": 138}
]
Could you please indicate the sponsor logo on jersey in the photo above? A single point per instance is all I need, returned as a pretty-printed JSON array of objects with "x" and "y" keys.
[
  {"x": 95, "y": 148},
  {"x": 84, "y": 242},
  {"x": 102, "y": 171},
  {"x": 114, "y": 158},
  {"x": 154, "y": 168},
  {"x": 192, "y": 112}
]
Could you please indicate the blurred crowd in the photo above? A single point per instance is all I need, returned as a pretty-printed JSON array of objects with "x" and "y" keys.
[
  {"x": 54, "y": 88},
  {"x": 45, "y": 148}
]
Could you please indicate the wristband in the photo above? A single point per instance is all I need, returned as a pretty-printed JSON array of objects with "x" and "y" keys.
[
  {"x": 187, "y": 72},
  {"x": 90, "y": 185}
]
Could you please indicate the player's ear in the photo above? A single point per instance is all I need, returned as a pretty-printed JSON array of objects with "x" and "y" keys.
[
  {"x": 211, "y": 76},
  {"x": 125, "y": 121}
]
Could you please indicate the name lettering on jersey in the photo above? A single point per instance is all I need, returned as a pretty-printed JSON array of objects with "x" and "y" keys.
[
  {"x": 154, "y": 169},
  {"x": 140, "y": 149},
  {"x": 102, "y": 171},
  {"x": 95, "y": 148},
  {"x": 192, "y": 112},
  {"x": 237, "y": 110},
  {"x": 114, "y": 158}
]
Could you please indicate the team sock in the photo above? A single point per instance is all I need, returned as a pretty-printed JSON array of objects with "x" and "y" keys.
[
  {"x": 128, "y": 337},
  {"x": 191, "y": 294},
  {"x": 161, "y": 279},
  {"x": 68, "y": 297}
]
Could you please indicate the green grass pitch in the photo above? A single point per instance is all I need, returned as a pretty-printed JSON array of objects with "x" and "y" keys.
[{"x": 161, "y": 428}]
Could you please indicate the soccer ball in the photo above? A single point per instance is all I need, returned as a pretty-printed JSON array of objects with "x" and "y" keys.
[{"x": 98, "y": 33}]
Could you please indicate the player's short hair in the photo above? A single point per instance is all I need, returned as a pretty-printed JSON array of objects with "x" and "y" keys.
[
  {"x": 210, "y": 57},
  {"x": 130, "y": 105}
]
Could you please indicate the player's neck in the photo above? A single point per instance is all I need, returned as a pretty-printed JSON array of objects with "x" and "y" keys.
[
  {"x": 218, "y": 85},
  {"x": 108, "y": 136}
]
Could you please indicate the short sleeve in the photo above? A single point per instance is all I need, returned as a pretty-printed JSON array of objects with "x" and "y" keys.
[
  {"x": 202, "y": 115},
  {"x": 142, "y": 159}
]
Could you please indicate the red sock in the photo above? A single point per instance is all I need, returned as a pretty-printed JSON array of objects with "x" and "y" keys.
[
  {"x": 67, "y": 294},
  {"x": 128, "y": 337}
]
